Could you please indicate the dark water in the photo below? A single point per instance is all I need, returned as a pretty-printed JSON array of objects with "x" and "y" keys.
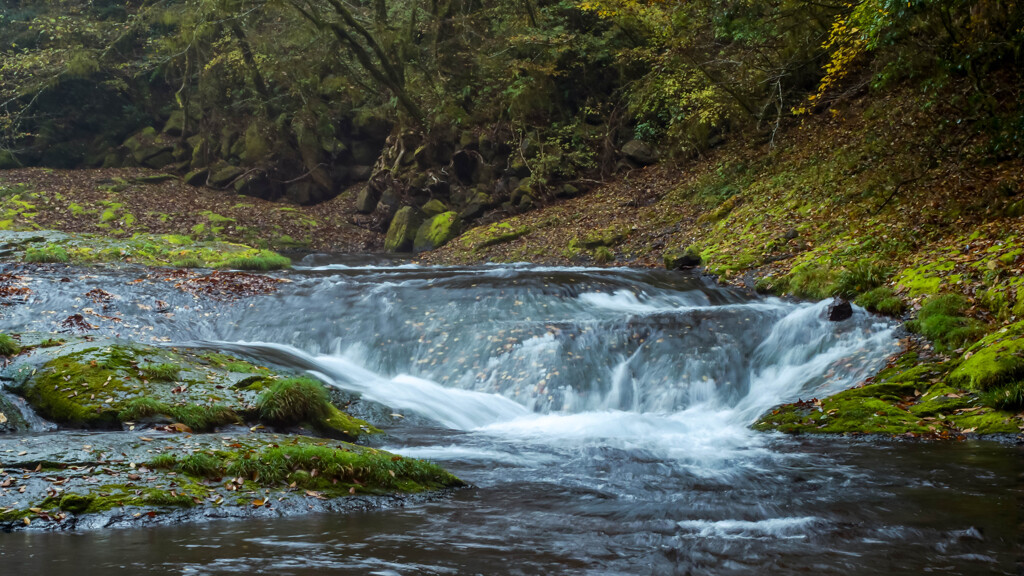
[{"x": 601, "y": 415}]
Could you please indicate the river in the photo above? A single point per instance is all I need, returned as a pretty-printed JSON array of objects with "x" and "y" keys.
[{"x": 601, "y": 416}]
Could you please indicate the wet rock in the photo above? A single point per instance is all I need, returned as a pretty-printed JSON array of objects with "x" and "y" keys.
[
  {"x": 688, "y": 257},
  {"x": 839, "y": 310},
  {"x": 639, "y": 152},
  {"x": 403, "y": 229},
  {"x": 437, "y": 231}
]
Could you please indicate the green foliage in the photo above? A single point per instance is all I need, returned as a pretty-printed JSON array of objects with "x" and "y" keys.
[
  {"x": 1010, "y": 397},
  {"x": 8, "y": 346},
  {"x": 941, "y": 320},
  {"x": 47, "y": 254},
  {"x": 200, "y": 464},
  {"x": 160, "y": 372},
  {"x": 882, "y": 300},
  {"x": 860, "y": 277}
]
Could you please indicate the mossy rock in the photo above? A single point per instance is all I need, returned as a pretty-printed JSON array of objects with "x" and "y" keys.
[
  {"x": 688, "y": 257},
  {"x": 437, "y": 231},
  {"x": 434, "y": 207},
  {"x": 224, "y": 175},
  {"x": 403, "y": 229},
  {"x": 996, "y": 360}
]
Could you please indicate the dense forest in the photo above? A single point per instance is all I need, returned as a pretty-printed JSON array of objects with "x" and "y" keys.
[{"x": 481, "y": 105}]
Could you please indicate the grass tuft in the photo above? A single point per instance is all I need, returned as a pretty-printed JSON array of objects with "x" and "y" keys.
[
  {"x": 294, "y": 400},
  {"x": 8, "y": 345}
]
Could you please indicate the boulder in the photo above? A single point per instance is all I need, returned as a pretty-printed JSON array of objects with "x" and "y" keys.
[
  {"x": 256, "y": 145},
  {"x": 150, "y": 148},
  {"x": 368, "y": 198},
  {"x": 434, "y": 207},
  {"x": 224, "y": 175},
  {"x": 197, "y": 177},
  {"x": 403, "y": 229},
  {"x": 681, "y": 259},
  {"x": 639, "y": 152},
  {"x": 476, "y": 207},
  {"x": 437, "y": 231},
  {"x": 175, "y": 125},
  {"x": 465, "y": 164},
  {"x": 839, "y": 310}
]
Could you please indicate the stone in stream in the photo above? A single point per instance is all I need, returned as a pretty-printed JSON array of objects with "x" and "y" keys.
[{"x": 839, "y": 310}]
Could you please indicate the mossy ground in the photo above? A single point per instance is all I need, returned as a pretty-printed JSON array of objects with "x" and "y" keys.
[
  {"x": 122, "y": 203},
  {"x": 145, "y": 249},
  {"x": 907, "y": 398}
]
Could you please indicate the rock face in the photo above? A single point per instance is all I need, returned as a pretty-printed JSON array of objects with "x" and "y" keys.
[
  {"x": 639, "y": 152},
  {"x": 688, "y": 257},
  {"x": 839, "y": 310},
  {"x": 367, "y": 199},
  {"x": 437, "y": 231},
  {"x": 403, "y": 229}
]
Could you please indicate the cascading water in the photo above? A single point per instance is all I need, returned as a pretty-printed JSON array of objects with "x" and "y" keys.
[{"x": 602, "y": 415}]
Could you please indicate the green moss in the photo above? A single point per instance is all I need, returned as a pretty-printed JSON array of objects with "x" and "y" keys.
[
  {"x": 486, "y": 236},
  {"x": 811, "y": 280},
  {"x": 160, "y": 372},
  {"x": 264, "y": 260},
  {"x": 196, "y": 416},
  {"x": 882, "y": 300},
  {"x": 339, "y": 469},
  {"x": 75, "y": 389},
  {"x": 293, "y": 401},
  {"x": 47, "y": 254},
  {"x": 605, "y": 237},
  {"x": 995, "y": 361},
  {"x": 8, "y": 345},
  {"x": 200, "y": 464},
  {"x": 941, "y": 320},
  {"x": 924, "y": 280},
  {"x": 860, "y": 277},
  {"x": 603, "y": 255},
  {"x": 76, "y": 503}
]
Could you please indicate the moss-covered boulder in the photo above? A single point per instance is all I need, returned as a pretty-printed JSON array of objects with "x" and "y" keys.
[
  {"x": 437, "y": 231},
  {"x": 224, "y": 175},
  {"x": 679, "y": 259},
  {"x": 907, "y": 398},
  {"x": 434, "y": 207},
  {"x": 102, "y": 384},
  {"x": 994, "y": 361},
  {"x": 403, "y": 229}
]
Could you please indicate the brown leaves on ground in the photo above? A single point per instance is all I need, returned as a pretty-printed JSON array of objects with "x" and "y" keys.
[{"x": 173, "y": 207}]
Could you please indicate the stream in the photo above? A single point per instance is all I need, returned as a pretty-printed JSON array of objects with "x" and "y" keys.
[{"x": 601, "y": 415}]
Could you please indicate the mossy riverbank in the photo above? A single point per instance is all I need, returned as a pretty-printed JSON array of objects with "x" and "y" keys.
[{"x": 844, "y": 205}]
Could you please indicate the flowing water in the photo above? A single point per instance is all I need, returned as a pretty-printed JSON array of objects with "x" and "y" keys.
[{"x": 601, "y": 415}]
